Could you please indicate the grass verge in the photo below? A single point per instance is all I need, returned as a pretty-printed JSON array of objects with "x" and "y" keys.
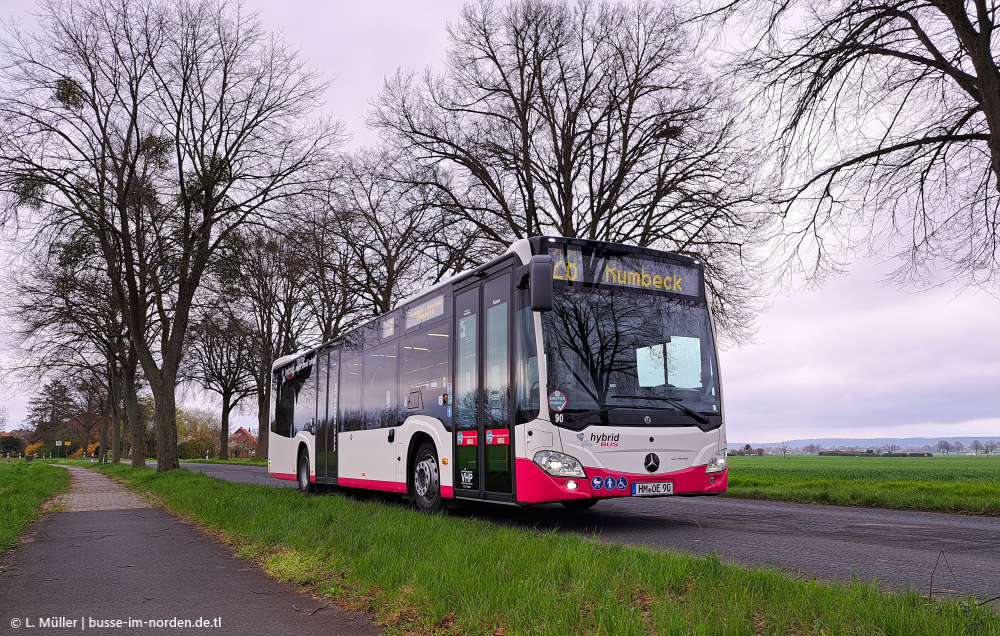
[
  {"x": 24, "y": 487},
  {"x": 437, "y": 574},
  {"x": 945, "y": 484}
]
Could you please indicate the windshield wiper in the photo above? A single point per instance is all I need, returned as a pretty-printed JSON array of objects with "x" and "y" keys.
[{"x": 674, "y": 401}]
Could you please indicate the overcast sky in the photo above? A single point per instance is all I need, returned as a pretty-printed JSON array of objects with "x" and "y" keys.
[{"x": 856, "y": 358}]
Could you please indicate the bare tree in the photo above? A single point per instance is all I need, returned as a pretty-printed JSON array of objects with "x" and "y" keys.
[
  {"x": 263, "y": 272},
  {"x": 219, "y": 358},
  {"x": 888, "y": 127},
  {"x": 386, "y": 220},
  {"x": 989, "y": 446},
  {"x": 976, "y": 446},
  {"x": 67, "y": 321},
  {"x": 783, "y": 448},
  {"x": 944, "y": 446},
  {"x": 958, "y": 446},
  {"x": 330, "y": 280},
  {"x": 159, "y": 128},
  {"x": 891, "y": 447},
  {"x": 591, "y": 120}
]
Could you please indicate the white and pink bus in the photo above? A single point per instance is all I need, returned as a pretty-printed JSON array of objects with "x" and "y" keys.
[{"x": 564, "y": 371}]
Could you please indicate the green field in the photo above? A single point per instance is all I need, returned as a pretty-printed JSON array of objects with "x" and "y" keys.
[
  {"x": 435, "y": 574},
  {"x": 24, "y": 487},
  {"x": 947, "y": 484}
]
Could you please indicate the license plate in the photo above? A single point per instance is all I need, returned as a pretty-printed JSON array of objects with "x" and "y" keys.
[{"x": 653, "y": 488}]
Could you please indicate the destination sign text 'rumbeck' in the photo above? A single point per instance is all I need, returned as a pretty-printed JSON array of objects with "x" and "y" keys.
[{"x": 635, "y": 271}]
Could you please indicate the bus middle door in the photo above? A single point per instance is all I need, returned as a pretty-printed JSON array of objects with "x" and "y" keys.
[{"x": 326, "y": 404}]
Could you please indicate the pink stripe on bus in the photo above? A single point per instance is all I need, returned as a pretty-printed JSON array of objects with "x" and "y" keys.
[
  {"x": 372, "y": 484},
  {"x": 292, "y": 477}
]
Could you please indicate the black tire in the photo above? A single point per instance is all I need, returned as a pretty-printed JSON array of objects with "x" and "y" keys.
[
  {"x": 580, "y": 504},
  {"x": 425, "y": 477},
  {"x": 303, "y": 483}
]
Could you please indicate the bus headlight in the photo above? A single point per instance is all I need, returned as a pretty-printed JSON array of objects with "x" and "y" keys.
[
  {"x": 717, "y": 463},
  {"x": 559, "y": 464}
]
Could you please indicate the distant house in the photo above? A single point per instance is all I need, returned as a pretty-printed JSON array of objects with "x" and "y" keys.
[{"x": 242, "y": 444}]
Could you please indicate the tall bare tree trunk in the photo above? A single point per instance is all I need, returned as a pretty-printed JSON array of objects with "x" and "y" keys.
[
  {"x": 227, "y": 407},
  {"x": 263, "y": 408},
  {"x": 116, "y": 416},
  {"x": 116, "y": 438},
  {"x": 165, "y": 402},
  {"x": 103, "y": 435},
  {"x": 132, "y": 413}
]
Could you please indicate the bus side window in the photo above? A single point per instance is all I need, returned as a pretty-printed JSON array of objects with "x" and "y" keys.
[
  {"x": 284, "y": 408},
  {"x": 423, "y": 378},
  {"x": 351, "y": 415},
  {"x": 305, "y": 399},
  {"x": 380, "y": 401}
]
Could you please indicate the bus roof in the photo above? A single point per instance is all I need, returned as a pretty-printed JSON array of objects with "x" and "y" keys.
[{"x": 523, "y": 248}]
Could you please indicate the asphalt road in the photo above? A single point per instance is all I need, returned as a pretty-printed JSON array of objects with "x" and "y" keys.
[{"x": 898, "y": 548}]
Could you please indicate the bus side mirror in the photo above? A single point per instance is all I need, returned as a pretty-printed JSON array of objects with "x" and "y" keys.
[{"x": 540, "y": 282}]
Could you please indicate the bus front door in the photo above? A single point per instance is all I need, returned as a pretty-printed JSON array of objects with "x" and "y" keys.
[{"x": 482, "y": 397}]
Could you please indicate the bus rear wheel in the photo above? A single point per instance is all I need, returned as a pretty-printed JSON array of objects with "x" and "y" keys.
[
  {"x": 580, "y": 504},
  {"x": 426, "y": 479},
  {"x": 303, "y": 482}
]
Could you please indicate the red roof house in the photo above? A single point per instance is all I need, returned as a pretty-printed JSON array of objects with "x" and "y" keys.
[{"x": 242, "y": 444}]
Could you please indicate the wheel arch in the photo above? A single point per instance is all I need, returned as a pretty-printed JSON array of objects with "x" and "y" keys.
[
  {"x": 305, "y": 443},
  {"x": 417, "y": 429},
  {"x": 416, "y": 441},
  {"x": 303, "y": 447}
]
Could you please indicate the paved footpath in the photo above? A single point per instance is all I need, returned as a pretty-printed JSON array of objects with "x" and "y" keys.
[{"x": 105, "y": 554}]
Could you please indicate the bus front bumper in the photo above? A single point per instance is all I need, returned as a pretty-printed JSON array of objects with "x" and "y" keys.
[{"x": 534, "y": 485}]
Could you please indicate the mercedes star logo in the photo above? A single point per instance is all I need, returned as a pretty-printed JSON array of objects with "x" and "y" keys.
[{"x": 652, "y": 462}]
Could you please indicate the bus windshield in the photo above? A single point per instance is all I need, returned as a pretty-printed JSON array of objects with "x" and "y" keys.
[{"x": 611, "y": 348}]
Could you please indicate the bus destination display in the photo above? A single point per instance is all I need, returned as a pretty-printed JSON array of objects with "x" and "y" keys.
[{"x": 631, "y": 270}]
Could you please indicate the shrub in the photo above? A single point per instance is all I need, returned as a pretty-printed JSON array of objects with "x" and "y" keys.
[{"x": 195, "y": 449}]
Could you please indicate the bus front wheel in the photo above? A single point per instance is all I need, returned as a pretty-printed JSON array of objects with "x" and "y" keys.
[
  {"x": 303, "y": 482},
  {"x": 426, "y": 479}
]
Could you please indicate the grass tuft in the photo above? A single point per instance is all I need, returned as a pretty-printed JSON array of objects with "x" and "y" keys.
[{"x": 24, "y": 487}]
